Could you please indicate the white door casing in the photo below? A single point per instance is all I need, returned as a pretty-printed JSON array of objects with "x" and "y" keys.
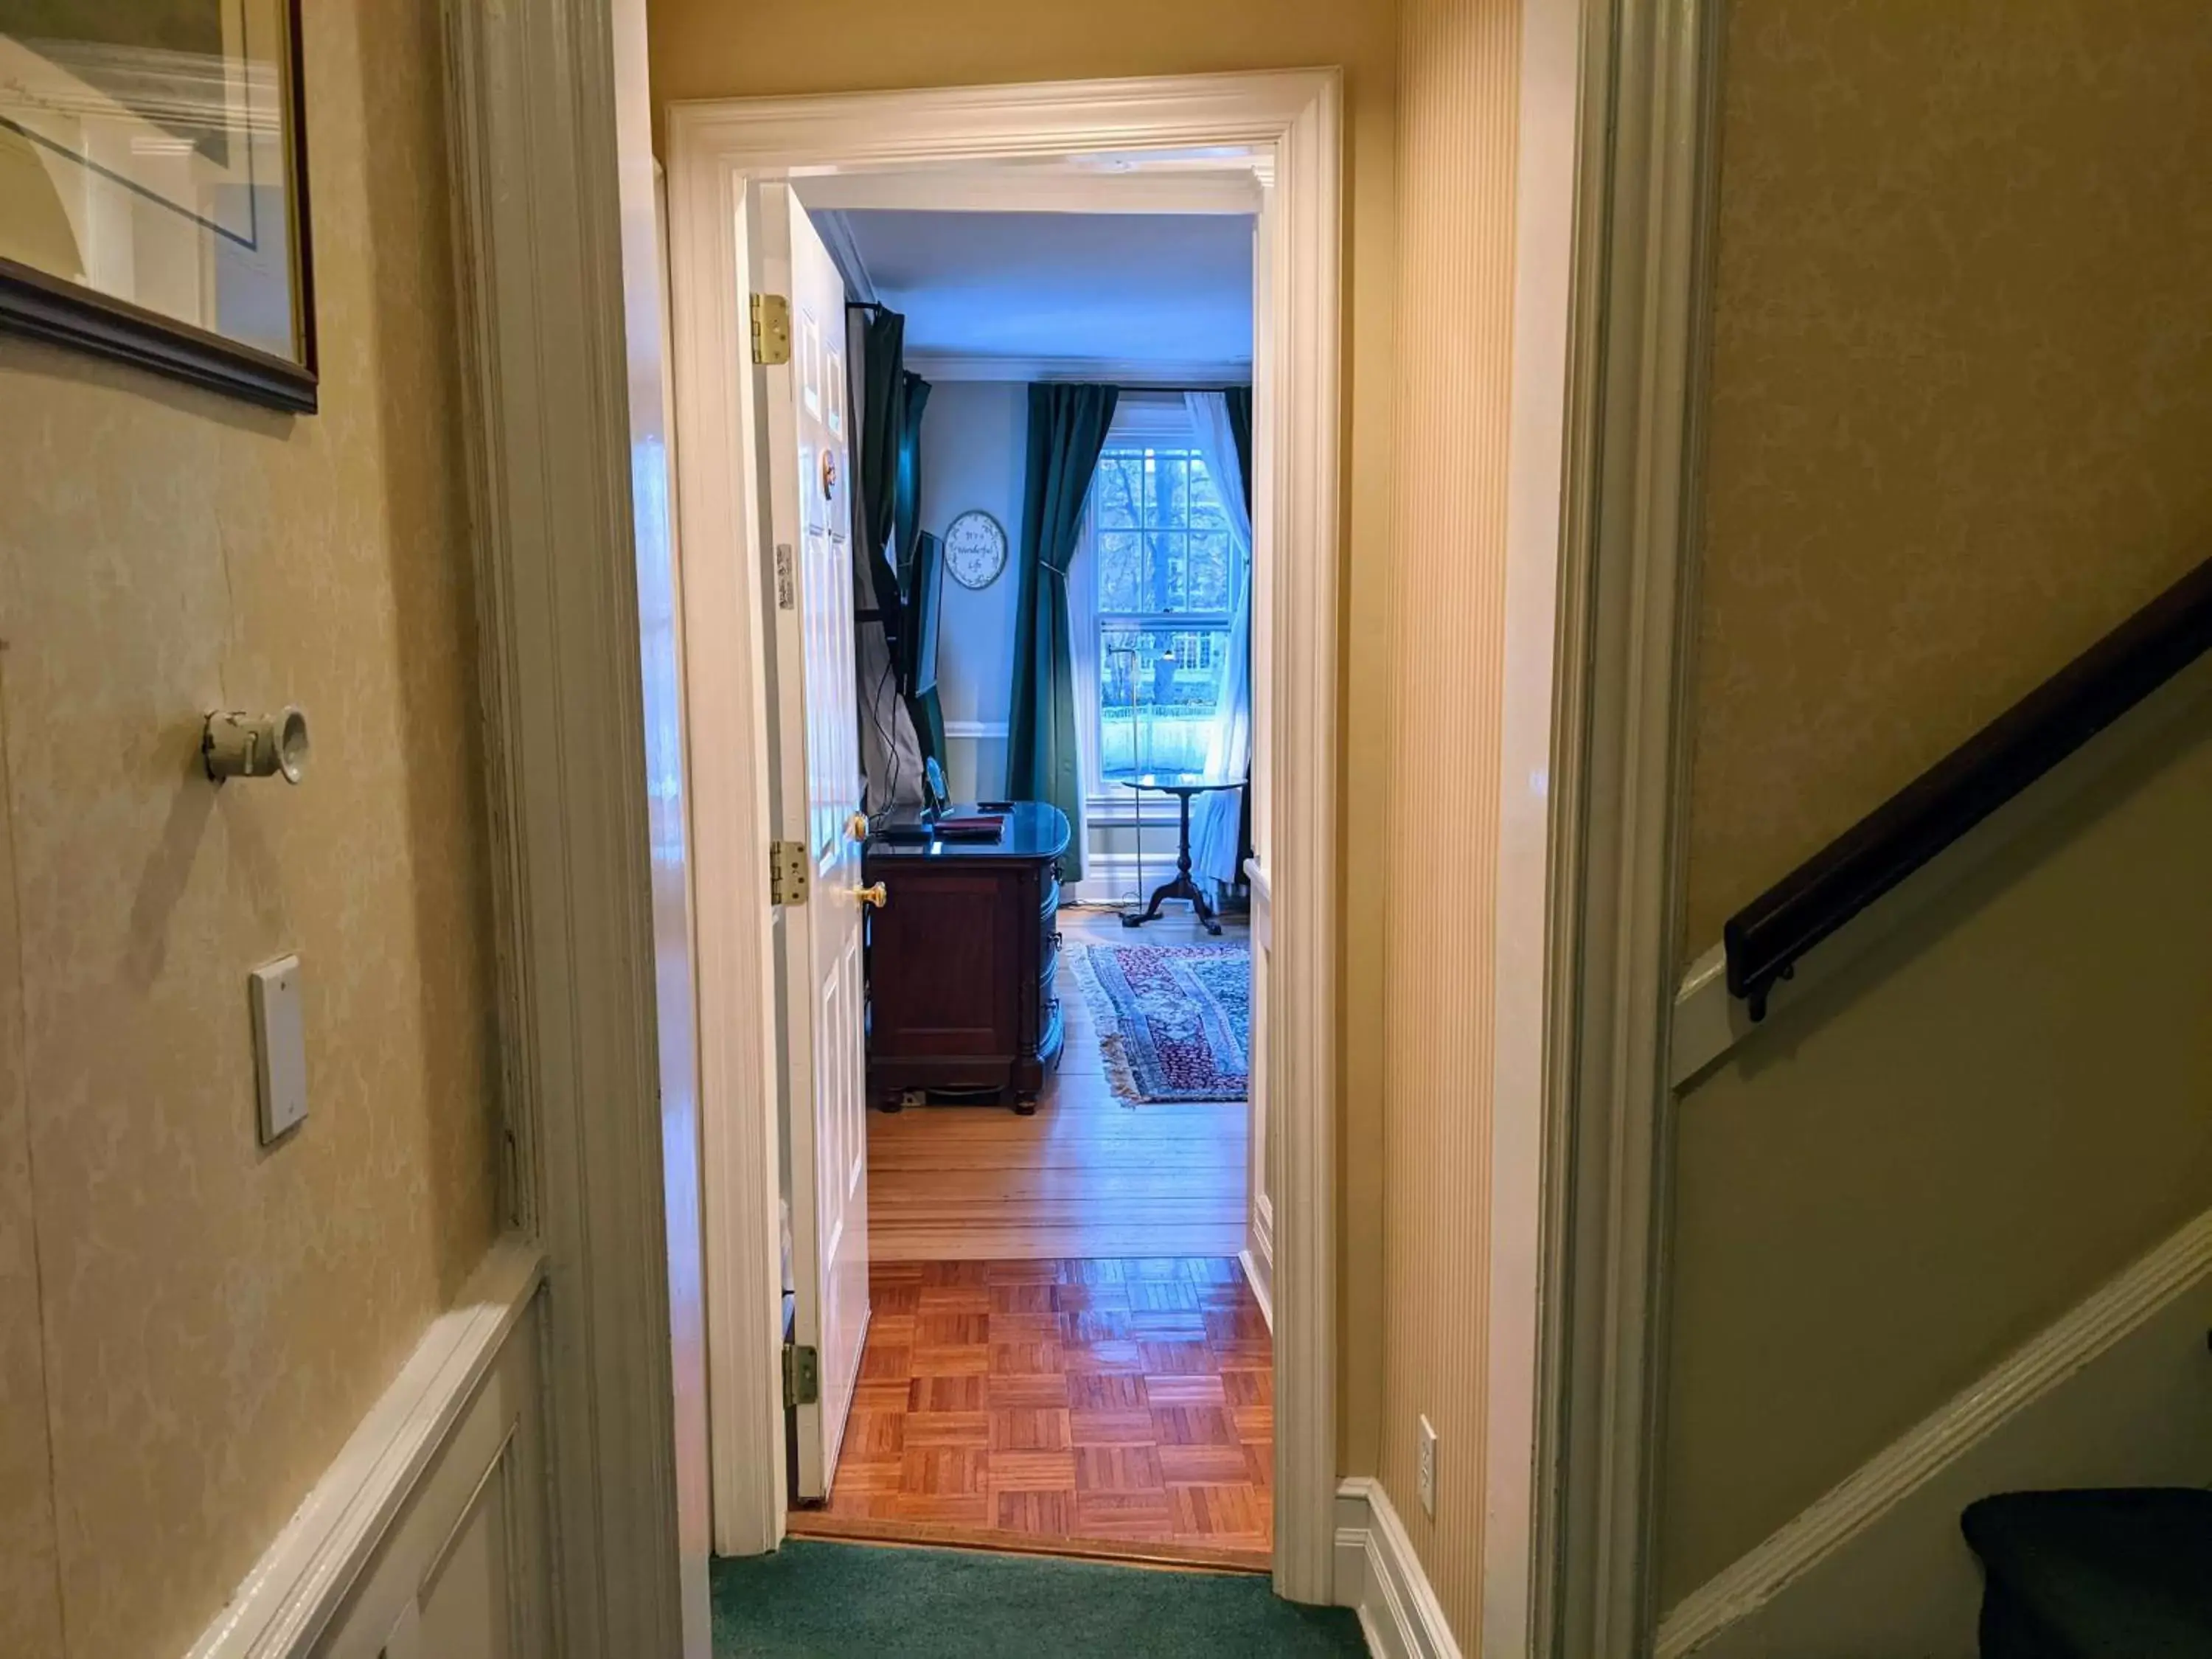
[
  {"x": 815, "y": 793},
  {"x": 1288, "y": 123}
]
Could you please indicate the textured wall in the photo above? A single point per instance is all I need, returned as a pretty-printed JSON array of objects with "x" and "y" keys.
[
  {"x": 212, "y": 1319},
  {"x": 736, "y": 48},
  {"x": 1924, "y": 1164},
  {"x": 1457, "y": 111},
  {"x": 1962, "y": 380}
]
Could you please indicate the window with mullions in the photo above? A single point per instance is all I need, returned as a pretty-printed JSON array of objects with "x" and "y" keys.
[{"x": 1166, "y": 575}]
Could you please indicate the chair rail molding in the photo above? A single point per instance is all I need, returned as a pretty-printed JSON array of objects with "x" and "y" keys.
[
  {"x": 1640, "y": 307},
  {"x": 1289, "y": 126},
  {"x": 298, "y": 1588}
]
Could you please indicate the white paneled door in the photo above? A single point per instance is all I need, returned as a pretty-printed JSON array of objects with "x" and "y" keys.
[{"x": 816, "y": 803}]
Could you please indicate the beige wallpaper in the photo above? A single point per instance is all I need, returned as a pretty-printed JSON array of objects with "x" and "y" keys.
[
  {"x": 30, "y": 1600},
  {"x": 214, "y": 1318},
  {"x": 1962, "y": 380},
  {"x": 1457, "y": 110},
  {"x": 1923, "y": 1166},
  {"x": 737, "y": 48}
]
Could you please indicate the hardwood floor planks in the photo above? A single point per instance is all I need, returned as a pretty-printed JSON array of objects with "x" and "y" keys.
[{"x": 1088, "y": 1176}]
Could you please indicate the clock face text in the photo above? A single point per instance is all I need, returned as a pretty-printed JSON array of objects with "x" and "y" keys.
[{"x": 974, "y": 549}]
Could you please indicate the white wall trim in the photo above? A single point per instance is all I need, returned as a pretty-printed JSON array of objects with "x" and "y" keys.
[
  {"x": 1893, "y": 1475},
  {"x": 1110, "y": 877},
  {"x": 288, "y": 1600},
  {"x": 1378, "y": 1574},
  {"x": 845, "y": 253},
  {"x": 536, "y": 145},
  {"x": 1709, "y": 1022},
  {"x": 1113, "y": 371},
  {"x": 1626, "y": 618},
  {"x": 1076, "y": 185},
  {"x": 977, "y": 731},
  {"x": 1289, "y": 123}
]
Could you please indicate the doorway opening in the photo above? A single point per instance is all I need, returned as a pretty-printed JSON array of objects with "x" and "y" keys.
[
  {"x": 1013, "y": 1235},
  {"x": 1017, "y": 1263}
]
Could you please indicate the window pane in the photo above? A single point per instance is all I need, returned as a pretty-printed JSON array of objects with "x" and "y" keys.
[
  {"x": 1163, "y": 552},
  {"x": 1120, "y": 572},
  {"x": 1205, "y": 511},
  {"x": 1118, "y": 494},
  {"x": 1208, "y": 562},
  {"x": 1170, "y": 502},
  {"x": 1158, "y": 688},
  {"x": 1166, "y": 570}
]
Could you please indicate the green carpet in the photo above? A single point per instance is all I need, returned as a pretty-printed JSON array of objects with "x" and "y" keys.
[{"x": 820, "y": 1600}]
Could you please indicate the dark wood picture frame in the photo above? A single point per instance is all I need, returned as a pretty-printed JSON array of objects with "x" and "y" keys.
[{"x": 53, "y": 309}]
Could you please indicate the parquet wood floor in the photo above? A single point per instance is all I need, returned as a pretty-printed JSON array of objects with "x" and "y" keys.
[
  {"x": 1090, "y": 1405},
  {"x": 1088, "y": 1176}
]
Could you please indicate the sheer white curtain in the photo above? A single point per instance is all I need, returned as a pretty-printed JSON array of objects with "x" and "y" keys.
[
  {"x": 1083, "y": 631},
  {"x": 1214, "y": 818}
]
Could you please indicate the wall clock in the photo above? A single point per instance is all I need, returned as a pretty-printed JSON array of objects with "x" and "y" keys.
[{"x": 976, "y": 549}]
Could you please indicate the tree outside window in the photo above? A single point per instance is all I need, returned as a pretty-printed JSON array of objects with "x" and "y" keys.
[{"x": 1166, "y": 575}]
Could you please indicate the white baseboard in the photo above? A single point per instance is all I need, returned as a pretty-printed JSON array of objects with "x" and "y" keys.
[
  {"x": 2118, "y": 1393},
  {"x": 1258, "y": 1255},
  {"x": 1263, "y": 1290},
  {"x": 290, "y": 1602},
  {"x": 1378, "y": 1575},
  {"x": 1112, "y": 877}
]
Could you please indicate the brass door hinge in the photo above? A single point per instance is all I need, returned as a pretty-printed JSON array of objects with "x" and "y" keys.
[
  {"x": 789, "y": 872},
  {"x": 771, "y": 329},
  {"x": 802, "y": 1376}
]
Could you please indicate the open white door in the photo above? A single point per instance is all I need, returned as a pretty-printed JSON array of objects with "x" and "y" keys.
[{"x": 816, "y": 790}]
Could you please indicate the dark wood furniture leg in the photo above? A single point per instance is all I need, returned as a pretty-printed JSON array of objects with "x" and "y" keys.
[{"x": 1182, "y": 887}]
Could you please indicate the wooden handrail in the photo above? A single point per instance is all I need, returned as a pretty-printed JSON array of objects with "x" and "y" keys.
[{"x": 1765, "y": 940}]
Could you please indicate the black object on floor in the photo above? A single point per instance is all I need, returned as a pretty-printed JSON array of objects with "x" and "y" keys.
[
  {"x": 2123, "y": 1574},
  {"x": 821, "y": 1601}
]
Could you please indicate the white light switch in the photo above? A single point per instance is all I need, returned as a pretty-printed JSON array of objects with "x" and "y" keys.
[{"x": 280, "y": 1046}]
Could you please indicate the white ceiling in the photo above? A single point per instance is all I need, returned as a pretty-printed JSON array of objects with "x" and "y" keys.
[{"x": 1155, "y": 288}]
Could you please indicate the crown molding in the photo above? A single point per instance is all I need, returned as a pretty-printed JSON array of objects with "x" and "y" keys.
[
  {"x": 1110, "y": 371},
  {"x": 1129, "y": 185}
]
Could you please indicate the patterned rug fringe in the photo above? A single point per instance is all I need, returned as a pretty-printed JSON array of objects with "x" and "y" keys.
[
  {"x": 1212, "y": 1021},
  {"x": 1120, "y": 1076}
]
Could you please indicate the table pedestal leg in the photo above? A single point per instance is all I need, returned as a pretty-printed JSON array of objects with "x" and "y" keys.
[{"x": 1182, "y": 887}]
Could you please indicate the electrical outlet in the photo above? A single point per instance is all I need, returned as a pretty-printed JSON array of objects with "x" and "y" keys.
[{"x": 1424, "y": 1466}]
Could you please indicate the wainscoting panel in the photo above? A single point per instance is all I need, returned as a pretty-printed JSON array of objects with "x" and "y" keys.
[
  {"x": 428, "y": 1537},
  {"x": 464, "y": 1573}
]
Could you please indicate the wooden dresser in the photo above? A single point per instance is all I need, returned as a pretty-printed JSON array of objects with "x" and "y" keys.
[{"x": 961, "y": 959}]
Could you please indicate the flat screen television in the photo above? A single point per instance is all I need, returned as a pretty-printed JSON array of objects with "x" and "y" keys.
[{"x": 925, "y": 605}]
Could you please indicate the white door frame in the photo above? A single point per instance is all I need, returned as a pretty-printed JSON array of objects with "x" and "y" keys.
[
  {"x": 1290, "y": 123},
  {"x": 1641, "y": 304},
  {"x": 535, "y": 144}
]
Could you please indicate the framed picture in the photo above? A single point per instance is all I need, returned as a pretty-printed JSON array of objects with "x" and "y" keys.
[{"x": 153, "y": 188}]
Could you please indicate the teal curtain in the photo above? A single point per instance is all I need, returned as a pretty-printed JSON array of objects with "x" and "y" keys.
[
  {"x": 1067, "y": 430},
  {"x": 906, "y": 489},
  {"x": 905, "y": 517}
]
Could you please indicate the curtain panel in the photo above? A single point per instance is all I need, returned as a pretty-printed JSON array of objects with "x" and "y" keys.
[
  {"x": 1067, "y": 428},
  {"x": 1220, "y": 823}
]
